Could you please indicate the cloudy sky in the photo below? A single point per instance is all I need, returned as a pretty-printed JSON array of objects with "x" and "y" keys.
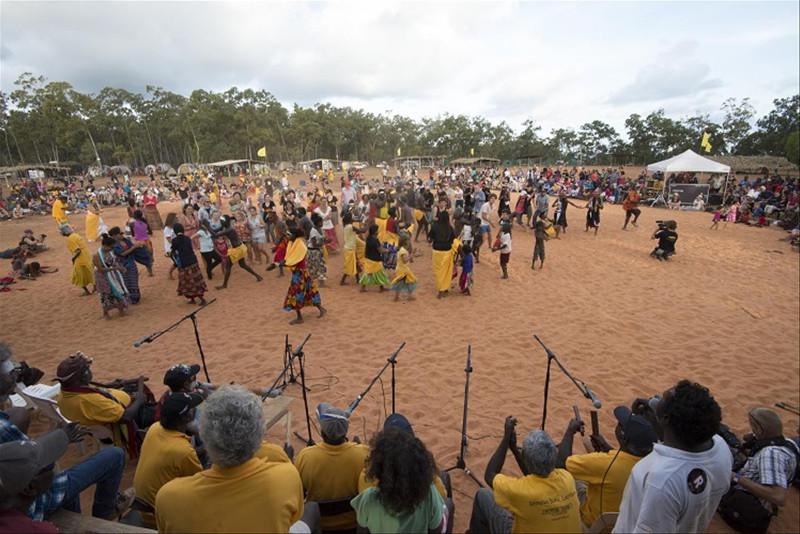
[{"x": 560, "y": 64}]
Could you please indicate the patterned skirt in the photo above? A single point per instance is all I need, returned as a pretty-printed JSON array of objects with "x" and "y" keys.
[
  {"x": 316, "y": 264},
  {"x": 153, "y": 218},
  {"x": 191, "y": 283},
  {"x": 131, "y": 278},
  {"x": 302, "y": 291}
]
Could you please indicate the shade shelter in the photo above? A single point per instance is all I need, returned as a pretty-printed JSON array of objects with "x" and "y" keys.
[{"x": 688, "y": 161}]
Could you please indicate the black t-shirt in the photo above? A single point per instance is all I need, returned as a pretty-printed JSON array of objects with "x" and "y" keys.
[
  {"x": 182, "y": 251},
  {"x": 372, "y": 249},
  {"x": 666, "y": 240}
]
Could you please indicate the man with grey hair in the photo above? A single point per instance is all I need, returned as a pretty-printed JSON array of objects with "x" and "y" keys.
[
  {"x": 240, "y": 492},
  {"x": 544, "y": 499}
]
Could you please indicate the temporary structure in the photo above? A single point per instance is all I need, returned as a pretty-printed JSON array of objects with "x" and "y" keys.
[
  {"x": 688, "y": 161},
  {"x": 475, "y": 162}
]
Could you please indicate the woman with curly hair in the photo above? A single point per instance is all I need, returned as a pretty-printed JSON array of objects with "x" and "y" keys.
[{"x": 405, "y": 499}]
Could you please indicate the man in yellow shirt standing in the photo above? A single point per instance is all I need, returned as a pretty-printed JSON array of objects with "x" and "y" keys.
[
  {"x": 167, "y": 451},
  {"x": 239, "y": 493},
  {"x": 330, "y": 470},
  {"x": 544, "y": 499},
  {"x": 605, "y": 472}
]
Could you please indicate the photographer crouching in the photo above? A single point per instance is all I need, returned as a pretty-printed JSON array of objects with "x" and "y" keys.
[{"x": 667, "y": 236}]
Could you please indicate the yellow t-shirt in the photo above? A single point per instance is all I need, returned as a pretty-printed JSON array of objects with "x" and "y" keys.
[
  {"x": 256, "y": 496},
  {"x": 366, "y": 483},
  {"x": 331, "y": 472},
  {"x": 93, "y": 408},
  {"x": 590, "y": 468},
  {"x": 269, "y": 452},
  {"x": 165, "y": 455},
  {"x": 540, "y": 504},
  {"x": 58, "y": 211}
]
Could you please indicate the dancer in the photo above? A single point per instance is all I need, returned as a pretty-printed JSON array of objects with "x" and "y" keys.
[
  {"x": 373, "y": 274},
  {"x": 560, "y": 214},
  {"x": 168, "y": 234},
  {"x": 593, "y": 208},
  {"x": 540, "y": 235},
  {"x": 467, "y": 266},
  {"x": 190, "y": 279},
  {"x": 718, "y": 215},
  {"x": 404, "y": 279},
  {"x": 205, "y": 242},
  {"x": 258, "y": 234},
  {"x": 442, "y": 238},
  {"x": 190, "y": 222},
  {"x": 733, "y": 211},
  {"x": 150, "y": 201},
  {"x": 126, "y": 252},
  {"x": 108, "y": 274},
  {"x": 316, "y": 257},
  {"x": 95, "y": 226},
  {"x": 503, "y": 244},
  {"x": 59, "y": 209},
  {"x": 140, "y": 229},
  {"x": 325, "y": 211},
  {"x": 302, "y": 288},
  {"x": 236, "y": 251},
  {"x": 350, "y": 245},
  {"x": 279, "y": 250},
  {"x": 630, "y": 205},
  {"x": 82, "y": 275}
]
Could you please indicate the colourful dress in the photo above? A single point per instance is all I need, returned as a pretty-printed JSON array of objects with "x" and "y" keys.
[
  {"x": 373, "y": 274},
  {"x": 151, "y": 212},
  {"x": 465, "y": 280},
  {"x": 315, "y": 257},
  {"x": 302, "y": 288},
  {"x": 82, "y": 274},
  {"x": 131, "y": 274},
  {"x": 110, "y": 285},
  {"x": 404, "y": 279}
]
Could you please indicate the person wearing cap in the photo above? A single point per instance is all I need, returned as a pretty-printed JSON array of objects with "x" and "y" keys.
[
  {"x": 94, "y": 405},
  {"x": 82, "y": 271},
  {"x": 239, "y": 493},
  {"x": 678, "y": 486},
  {"x": 544, "y": 499},
  {"x": 760, "y": 487},
  {"x": 167, "y": 450},
  {"x": 330, "y": 470},
  {"x": 604, "y": 473}
]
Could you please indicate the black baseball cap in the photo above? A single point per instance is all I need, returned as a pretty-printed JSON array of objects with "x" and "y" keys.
[
  {"x": 178, "y": 374},
  {"x": 638, "y": 430},
  {"x": 178, "y": 403}
]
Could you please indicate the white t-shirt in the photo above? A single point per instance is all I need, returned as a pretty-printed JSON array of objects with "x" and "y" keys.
[
  {"x": 169, "y": 233},
  {"x": 466, "y": 233},
  {"x": 205, "y": 240},
  {"x": 671, "y": 490},
  {"x": 505, "y": 243},
  {"x": 326, "y": 217},
  {"x": 484, "y": 212}
]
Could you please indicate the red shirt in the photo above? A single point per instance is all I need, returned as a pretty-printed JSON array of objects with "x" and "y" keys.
[{"x": 16, "y": 521}]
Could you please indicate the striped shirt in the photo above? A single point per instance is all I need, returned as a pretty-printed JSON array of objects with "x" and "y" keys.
[{"x": 771, "y": 466}]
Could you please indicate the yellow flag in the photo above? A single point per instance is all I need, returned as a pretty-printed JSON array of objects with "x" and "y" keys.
[
  {"x": 399, "y": 151},
  {"x": 262, "y": 152},
  {"x": 705, "y": 144},
  {"x": 471, "y": 151}
]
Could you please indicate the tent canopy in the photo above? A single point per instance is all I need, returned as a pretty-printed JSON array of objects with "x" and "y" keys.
[{"x": 688, "y": 161}]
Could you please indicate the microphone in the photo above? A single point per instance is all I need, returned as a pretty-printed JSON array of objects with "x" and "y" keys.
[
  {"x": 393, "y": 357},
  {"x": 589, "y": 394},
  {"x": 145, "y": 339},
  {"x": 271, "y": 393},
  {"x": 296, "y": 352},
  {"x": 352, "y": 406}
]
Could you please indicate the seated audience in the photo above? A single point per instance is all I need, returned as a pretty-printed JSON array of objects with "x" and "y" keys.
[
  {"x": 405, "y": 499},
  {"x": 90, "y": 404},
  {"x": 544, "y": 499},
  {"x": 678, "y": 486},
  {"x": 167, "y": 451},
  {"x": 760, "y": 488},
  {"x": 103, "y": 470},
  {"x": 239, "y": 493},
  {"x": 330, "y": 470},
  {"x": 603, "y": 474}
]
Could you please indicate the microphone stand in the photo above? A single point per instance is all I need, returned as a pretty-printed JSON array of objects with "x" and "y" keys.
[
  {"x": 582, "y": 387},
  {"x": 288, "y": 357},
  {"x": 460, "y": 462},
  {"x": 193, "y": 317},
  {"x": 301, "y": 357},
  {"x": 391, "y": 360}
]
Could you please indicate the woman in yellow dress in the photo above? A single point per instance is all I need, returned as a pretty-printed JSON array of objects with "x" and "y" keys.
[
  {"x": 94, "y": 223},
  {"x": 82, "y": 271},
  {"x": 404, "y": 279},
  {"x": 351, "y": 255},
  {"x": 442, "y": 237}
]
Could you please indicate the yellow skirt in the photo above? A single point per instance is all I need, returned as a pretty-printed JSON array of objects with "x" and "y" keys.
[
  {"x": 92, "y": 226},
  {"x": 443, "y": 269},
  {"x": 381, "y": 229},
  {"x": 404, "y": 274},
  {"x": 361, "y": 249},
  {"x": 418, "y": 215},
  {"x": 371, "y": 267},
  {"x": 350, "y": 262},
  {"x": 82, "y": 275},
  {"x": 238, "y": 253}
]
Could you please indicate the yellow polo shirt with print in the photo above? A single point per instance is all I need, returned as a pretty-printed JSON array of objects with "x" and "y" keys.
[
  {"x": 256, "y": 496},
  {"x": 540, "y": 504},
  {"x": 165, "y": 455},
  {"x": 332, "y": 472},
  {"x": 590, "y": 468},
  {"x": 269, "y": 452},
  {"x": 93, "y": 408}
]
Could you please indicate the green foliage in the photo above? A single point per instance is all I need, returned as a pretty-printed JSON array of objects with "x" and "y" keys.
[
  {"x": 43, "y": 121},
  {"x": 792, "y": 148}
]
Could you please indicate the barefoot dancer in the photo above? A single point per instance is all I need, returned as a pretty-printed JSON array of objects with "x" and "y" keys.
[
  {"x": 350, "y": 246},
  {"x": 593, "y": 208},
  {"x": 237, "y": 252},
  {"x": 82, "y": 275},
  {"x": 302, "y": 288},
  {"x": 108, "y": 274},
  {"x": 404, "y": 279},
  {"x": 190, "y": 278},
  {"x": 560, "y": 214},
  {"x": 373, "y": 274}
]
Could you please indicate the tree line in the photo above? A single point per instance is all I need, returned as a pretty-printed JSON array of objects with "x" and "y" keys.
[{"x": 45, "y": 121}]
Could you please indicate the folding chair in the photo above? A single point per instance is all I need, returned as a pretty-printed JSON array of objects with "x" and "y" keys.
[{"x": 333, "y": 507}]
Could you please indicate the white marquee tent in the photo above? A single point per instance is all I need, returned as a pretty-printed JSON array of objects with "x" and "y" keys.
[{"x": 688, "y": 161}]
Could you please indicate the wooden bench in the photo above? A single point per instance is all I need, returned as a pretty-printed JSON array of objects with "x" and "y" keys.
[
  {"x": 70, "y": 522},
  {"x": 275, "y": 409}
]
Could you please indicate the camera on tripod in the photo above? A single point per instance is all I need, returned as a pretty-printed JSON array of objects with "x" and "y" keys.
[{"x": 663, "y": 225}]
